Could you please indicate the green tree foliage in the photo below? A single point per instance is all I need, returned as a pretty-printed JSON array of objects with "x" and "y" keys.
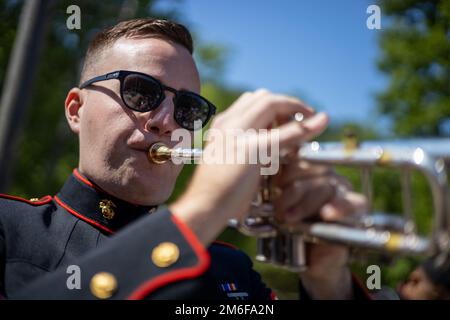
[
  {"x": 415, "y": 56},
  {"x": 8, "y": 21},
  {"x": 415, "y": 44}
]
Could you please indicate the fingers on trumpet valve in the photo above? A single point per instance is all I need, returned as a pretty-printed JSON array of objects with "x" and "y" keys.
[
  {"x": 326, "y": 197},
  {"x": 345, "y": 206},
  {"x": 295, "y": 169},
  {"x": 303, "y": 199}
]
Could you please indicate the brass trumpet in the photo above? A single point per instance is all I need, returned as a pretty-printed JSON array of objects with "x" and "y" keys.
[{"x": 284, "y": 245}]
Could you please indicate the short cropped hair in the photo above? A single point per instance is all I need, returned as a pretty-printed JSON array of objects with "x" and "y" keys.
[{"x": 136, "y": 28}]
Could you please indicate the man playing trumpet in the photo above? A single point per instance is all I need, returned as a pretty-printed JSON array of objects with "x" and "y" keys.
[{"x": 138, "y": 85}]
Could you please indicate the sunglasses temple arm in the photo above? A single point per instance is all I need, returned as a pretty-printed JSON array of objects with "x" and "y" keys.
[{"x": 112, "y": 75}]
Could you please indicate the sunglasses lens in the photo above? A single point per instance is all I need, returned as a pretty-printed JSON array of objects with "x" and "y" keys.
[
  {"x": 191, "y": 111},
  {"x": 141, "y": 93}
]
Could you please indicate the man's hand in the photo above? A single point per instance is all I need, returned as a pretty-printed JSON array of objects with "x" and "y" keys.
[
  {"x": 311, "y": 191},
  {"x": 218, "y": 192}
]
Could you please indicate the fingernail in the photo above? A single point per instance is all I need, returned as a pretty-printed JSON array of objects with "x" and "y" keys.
[{"x": 318, "y": 119}]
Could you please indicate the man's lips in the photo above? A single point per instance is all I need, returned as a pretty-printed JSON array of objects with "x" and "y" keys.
[
  {"x": 140, "y": 148},
  {"x": 145, "y": 145}
]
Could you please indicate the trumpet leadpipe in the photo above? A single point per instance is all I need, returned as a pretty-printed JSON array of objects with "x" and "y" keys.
[{"x": 334, "y": 153}]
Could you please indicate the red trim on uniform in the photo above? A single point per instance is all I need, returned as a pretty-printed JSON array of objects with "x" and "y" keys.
[
  {"x": 84, "y": 180},
  {"x": 39, "y": 202},
  {"x": 358, "y": 283},
  {"x": 225, "y": 244},
  {"x": 79, "y": 215},
  {"x": 77, "y": 175},
  {"x": 179, "y": 274}
]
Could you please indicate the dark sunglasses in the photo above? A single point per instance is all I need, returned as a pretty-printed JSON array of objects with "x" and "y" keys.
[{"x": 141, "y": 92}]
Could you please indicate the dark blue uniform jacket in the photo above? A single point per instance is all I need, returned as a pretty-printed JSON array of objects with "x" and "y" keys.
[{"x": 145, "y": 252}]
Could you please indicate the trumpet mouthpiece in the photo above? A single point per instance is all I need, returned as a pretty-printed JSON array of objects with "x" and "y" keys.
[{"x": 158, "y": 153}]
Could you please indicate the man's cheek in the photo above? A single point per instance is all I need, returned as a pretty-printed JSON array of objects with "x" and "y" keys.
[{"x": 88, "y": 127}]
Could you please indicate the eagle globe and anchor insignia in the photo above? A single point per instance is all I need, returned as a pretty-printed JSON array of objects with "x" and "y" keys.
[{"x": 108, "y": 208}]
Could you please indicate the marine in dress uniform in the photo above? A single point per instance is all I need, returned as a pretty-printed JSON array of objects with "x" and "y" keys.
[{"x": 124, "y": 251}]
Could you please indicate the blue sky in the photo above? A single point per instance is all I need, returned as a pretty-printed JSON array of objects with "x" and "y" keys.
[{"x": 319, "y": 49}]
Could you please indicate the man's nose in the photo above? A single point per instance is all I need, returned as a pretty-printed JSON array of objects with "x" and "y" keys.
[{"x": 161, "y": 121}]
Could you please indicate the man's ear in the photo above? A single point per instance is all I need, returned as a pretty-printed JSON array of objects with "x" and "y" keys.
[{"x": 73, "y": 109}]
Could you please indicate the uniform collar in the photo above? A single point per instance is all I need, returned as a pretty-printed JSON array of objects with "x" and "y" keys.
[{"x": 88, "y": 202}]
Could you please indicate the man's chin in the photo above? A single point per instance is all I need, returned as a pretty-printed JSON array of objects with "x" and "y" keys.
[
  {"x": 144, "y": 197},
  {"x": 153, "y": 200},
  {"x": 142, "y": 183},
  {"x": 148, "y": 190}
]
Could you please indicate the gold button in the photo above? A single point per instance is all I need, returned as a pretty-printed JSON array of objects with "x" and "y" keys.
[
  {"x": 103, "y": 285},
  {"x": 107, "y": 207},
  {"x": 165, "y": 254},
  {"x": 34, "y": 199}
]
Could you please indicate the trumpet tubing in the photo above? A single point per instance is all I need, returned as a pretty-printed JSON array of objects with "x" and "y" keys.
[{"x": 283, "y": 245}]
